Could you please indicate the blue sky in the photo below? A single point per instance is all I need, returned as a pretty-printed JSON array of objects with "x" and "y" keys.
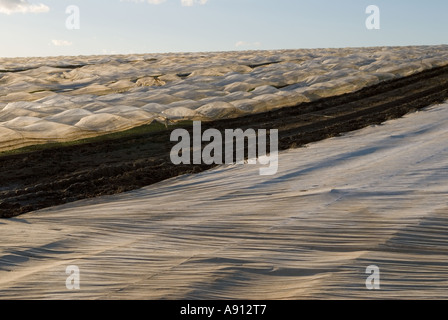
[{"x": 38, "y": 27}]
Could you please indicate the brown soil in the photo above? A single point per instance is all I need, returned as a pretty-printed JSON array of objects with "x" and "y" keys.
[{"x": 55, "y": 176}]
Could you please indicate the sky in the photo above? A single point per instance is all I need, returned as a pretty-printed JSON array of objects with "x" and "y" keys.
[{"x": 46, "y": 28}]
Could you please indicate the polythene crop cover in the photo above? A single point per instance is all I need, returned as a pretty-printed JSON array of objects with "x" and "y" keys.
[{"x": 107, "y": 94}]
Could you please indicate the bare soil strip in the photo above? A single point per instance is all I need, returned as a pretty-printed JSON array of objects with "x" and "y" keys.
[{"x": 46, "y": 178}]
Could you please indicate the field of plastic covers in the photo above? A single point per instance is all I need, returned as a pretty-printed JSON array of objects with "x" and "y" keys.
[{"x": 68, "y": 98}]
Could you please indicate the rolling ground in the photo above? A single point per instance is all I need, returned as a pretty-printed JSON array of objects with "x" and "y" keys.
[
  {"x": 372, "y": 197},
  {"x": 38, "y": 179}
]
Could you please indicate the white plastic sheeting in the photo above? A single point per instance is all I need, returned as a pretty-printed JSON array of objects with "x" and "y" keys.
[
  {"x": 377, "y": 196},
  {"x": 201, "y": 86}
]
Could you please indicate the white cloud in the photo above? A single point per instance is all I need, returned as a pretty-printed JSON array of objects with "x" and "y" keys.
[
  {"x": 21, "y": 6},
  {"x": 61, "y": 43},
  {"x": 189, "y": 3},
  {"x": 149, "y": 1},
  {"x": 245, "y": 44}
]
